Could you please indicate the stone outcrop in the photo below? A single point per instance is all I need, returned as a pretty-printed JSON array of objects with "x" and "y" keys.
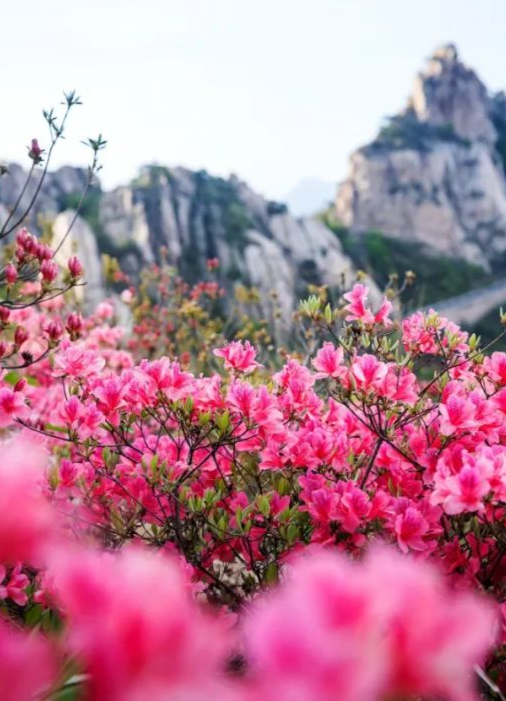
[
  {"x": 194, "y": 217},
  {"x": 60, "y": 187},
  {"x": 435, "y": 173},
  {"x": 77, "y": 238}
]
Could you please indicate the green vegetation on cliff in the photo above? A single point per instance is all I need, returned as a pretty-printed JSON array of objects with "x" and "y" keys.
[{"x": 437, "y": 276}]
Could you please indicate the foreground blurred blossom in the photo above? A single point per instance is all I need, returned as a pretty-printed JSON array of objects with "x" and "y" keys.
[
  {"x": 434, "y": 636},
  {"x": 27, "y": 521},
  {"x": 386, "y": 628},
  {"x": 134, "y": 628},
  {"x": 27, "y": 667},
  {"x": 318, "y": 636}
]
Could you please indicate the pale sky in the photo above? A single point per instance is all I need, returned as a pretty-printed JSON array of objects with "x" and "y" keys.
[{"x": 273, "y": 90}]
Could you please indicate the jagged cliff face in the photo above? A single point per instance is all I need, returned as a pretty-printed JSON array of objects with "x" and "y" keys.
[
  {"x": 57, "y": 191},
  {"x": 435, "y": 173},
  {"x": 195, "y": 217}
]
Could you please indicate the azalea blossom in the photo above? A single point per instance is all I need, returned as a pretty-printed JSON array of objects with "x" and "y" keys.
[
  {"x": 76, "y": 361},
  {"x": 238, "y": 356}
]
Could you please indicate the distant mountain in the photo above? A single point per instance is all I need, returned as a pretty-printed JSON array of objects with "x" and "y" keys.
[
  {"x": 194, "y": 216},
  {"x": 310, "y": 196},
  {"x": 435, "y": 174}
]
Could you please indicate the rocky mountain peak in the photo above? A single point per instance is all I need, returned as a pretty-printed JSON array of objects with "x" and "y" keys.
[
  {"x": 449, "y": 94},
  {"x": 435, "y": 173},
  {"x": 446, "y": 52}
]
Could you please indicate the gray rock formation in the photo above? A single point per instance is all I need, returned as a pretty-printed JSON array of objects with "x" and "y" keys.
[
  {"x": 435, "y": 173},
  {"x": 81, "y": 241},
  {"x": 194, "y": 217},
  {"x": 59, "y": 189},
  {"x": 449, "y": 93}
]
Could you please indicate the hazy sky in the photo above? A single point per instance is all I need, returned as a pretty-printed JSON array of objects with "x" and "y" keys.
[{"x": 273, "y": 90}]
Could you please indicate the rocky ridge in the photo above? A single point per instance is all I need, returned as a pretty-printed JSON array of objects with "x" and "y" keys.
[
  {"x": 195, "y": 217},
  {"x": 435, "y": 173}
]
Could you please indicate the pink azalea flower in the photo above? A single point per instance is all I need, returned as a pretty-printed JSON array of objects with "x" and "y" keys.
[
  {"x": 496, "y": 367},
  {"x": 76, "y": 362},
  {"x": 329, "y": 360},
  {"x": 356, "y": 308},
  {"x": 457, "y": 414},
  {"x": 381, "y": 316},
  {"x": 15, "y": 587},
  {"x": 133, "y": 626},
  {"x": 238, "y": 356},
  {"x": 410, "y": 526},
  {"x": 464, "y": 491},
  {"x": 368, "y": 372},
  {"x": 12, "y": 406},
  {"x": 27, "y": 667},
  {"x": 110, "y": 393},
  {"x": 27, "y": 522},
  {"x": 168, "y": 378}
]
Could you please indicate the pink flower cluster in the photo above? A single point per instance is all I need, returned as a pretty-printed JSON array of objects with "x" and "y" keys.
[
  {"x": 333, "y": 629},
  {"x": 212, "y": 487}
]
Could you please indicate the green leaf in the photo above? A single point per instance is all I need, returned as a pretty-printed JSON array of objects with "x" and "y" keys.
[
  {"x": 204, "y": 418},
  {"x": 272, "y": 573},
  {"x": 11, "y": 377},
  {"x": 69, "y": 693},
  {"x": 33, "y": 616},
  {"x": 292, "y": 533},
  {"x": 223, "y": 421},
  {"x": 263, "y": 505}
]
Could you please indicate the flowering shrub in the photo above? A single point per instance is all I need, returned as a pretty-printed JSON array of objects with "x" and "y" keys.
[
  {"x": 29, "y": 276},
  {"x": 212, "y": 488},
  {"x": 184, "y": 516},
  {"x": 133, "y": 627},
  {"x": 171, "y": 317}
]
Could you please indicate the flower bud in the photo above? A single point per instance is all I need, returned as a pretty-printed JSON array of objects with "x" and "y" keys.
[
  {"x": 30, "y": 244},
  {"x": 49, "y": 270},
  {"x": 35, "y": 151},
  {"x": 212, "y": 263},
  {"x": 11, "y": 274},
  {"x": 20, "y": 385},
  {"x": 21, "y": 237},
  {"x": 75, "y": 267},
  {"x": 74, "y": 325},
  {"x": 4, "y": 314},
  {"x": 54, "y": 330},
  {"x": 127, "y": 296},
  {"x": 20, "y": 336},
  {"x": 3, "y": 348},
  {"x": 43, "y": 252}
]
